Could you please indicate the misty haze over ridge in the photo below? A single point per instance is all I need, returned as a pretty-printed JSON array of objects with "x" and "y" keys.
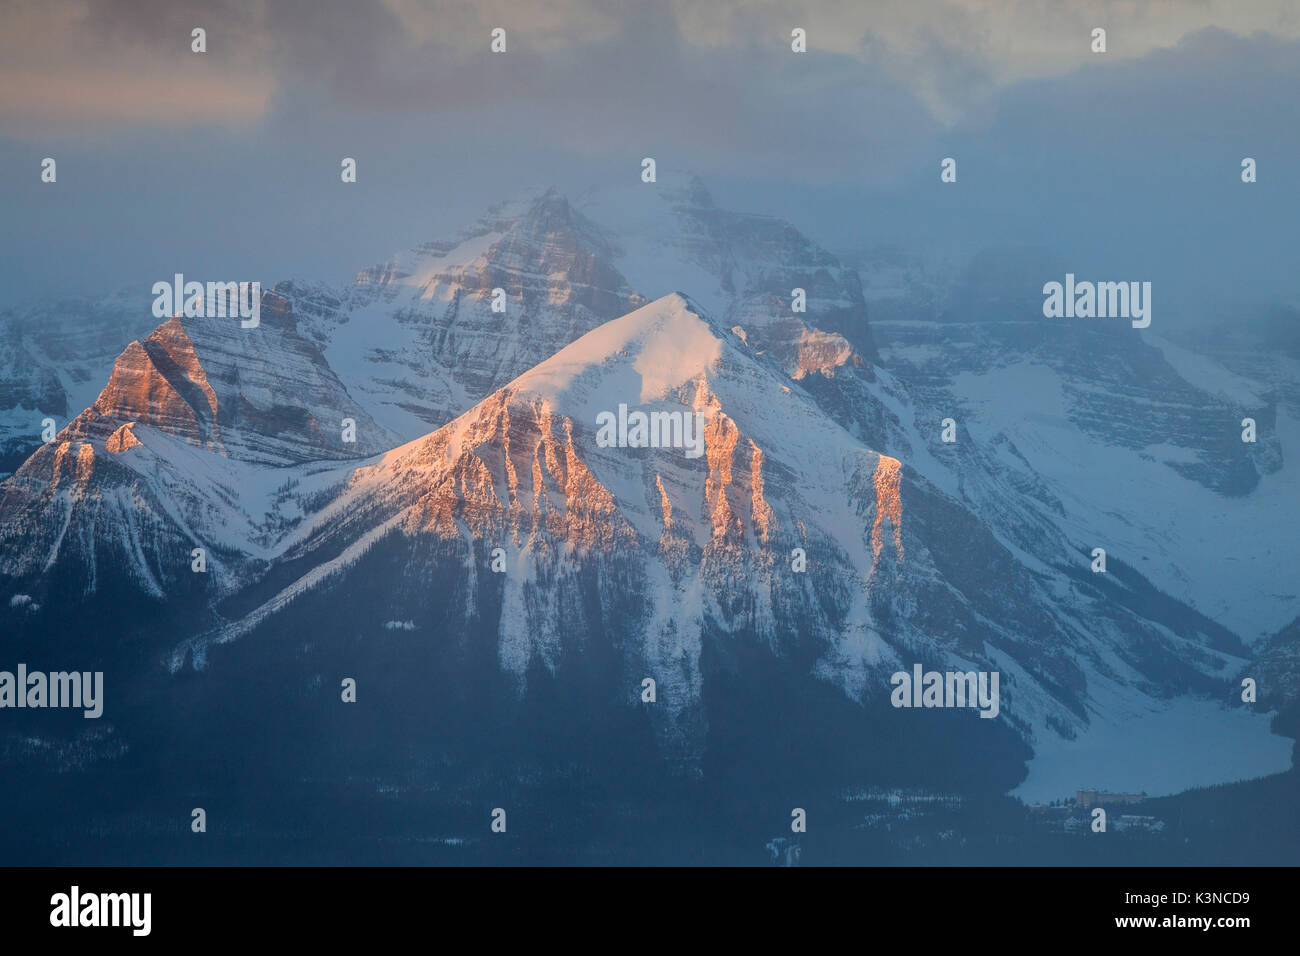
[{"x": 1119, "y": 163}]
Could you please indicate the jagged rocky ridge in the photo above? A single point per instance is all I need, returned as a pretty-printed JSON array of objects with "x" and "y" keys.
[
  {"x": 995, "y": 578},
  {"x": 652, "y": 555}
]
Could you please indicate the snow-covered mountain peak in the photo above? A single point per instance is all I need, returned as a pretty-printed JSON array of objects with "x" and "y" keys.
[
  {"x": 670, "y": 235},
  {"x": 669, "y": 342},
  {"x": 538, "y": 227},
  {"x": 262, "y": 394}
]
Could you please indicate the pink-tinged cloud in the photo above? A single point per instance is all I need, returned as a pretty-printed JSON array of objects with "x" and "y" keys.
[
  {"x": 128, "y": 61},
  {"x": 39, "y": 100},
  {"x": 67, "y": 66}
]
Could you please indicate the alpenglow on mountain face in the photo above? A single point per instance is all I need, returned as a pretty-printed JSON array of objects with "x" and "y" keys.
[
  {"x": 653, "y": 555},
  {"x": 649, "y": 552},
  {"x": 505, "y": 575}
]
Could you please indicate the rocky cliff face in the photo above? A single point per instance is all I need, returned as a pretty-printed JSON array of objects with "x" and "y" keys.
[
  {"x": 54, "y": 359},
  {"x": 262, "y": 394},
  {"x": 196, "y": 441}
]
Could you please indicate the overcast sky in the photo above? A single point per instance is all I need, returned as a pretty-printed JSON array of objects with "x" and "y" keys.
[{"x": 226, "y": 164}]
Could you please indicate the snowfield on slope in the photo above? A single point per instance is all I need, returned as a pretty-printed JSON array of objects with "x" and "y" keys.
[{"x": 1135, "y": 744}]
